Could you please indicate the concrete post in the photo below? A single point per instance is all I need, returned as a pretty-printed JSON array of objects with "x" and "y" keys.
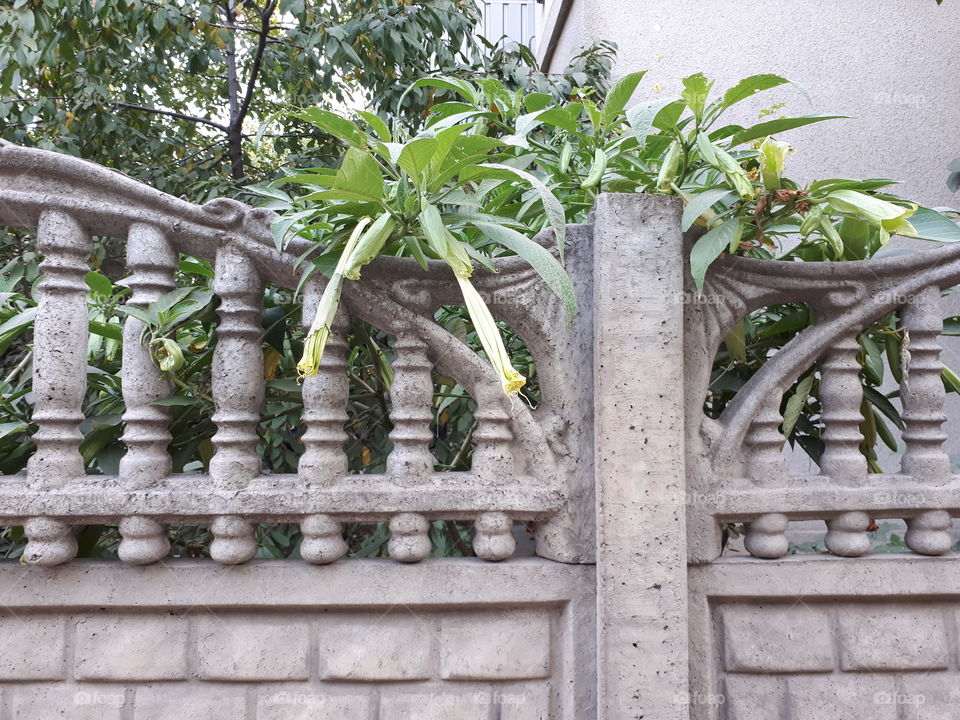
[{"x": 639, "y": 431}]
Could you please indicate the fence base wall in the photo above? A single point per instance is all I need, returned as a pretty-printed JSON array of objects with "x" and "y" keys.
[
  {"x": 871, "y": 638},
  {"x": 364, "y": 640}
]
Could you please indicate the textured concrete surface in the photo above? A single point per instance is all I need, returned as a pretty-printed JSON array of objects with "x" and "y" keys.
[
  {"x": 639, "y": 446},
  {"x": 893, "y": 66},
  {"x": 274, "y": 640},
  {"x": 847, "y": 638}
]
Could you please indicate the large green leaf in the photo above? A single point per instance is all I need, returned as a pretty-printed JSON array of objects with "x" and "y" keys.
[
  {"x": 546, "y": 265},
  {"x": 551, "y": 205},
  {"x": 359, "y": 173},
  {"x": 620, "y": 94},
  {"x": 710, "y": 245},
  {"x": 696, "y": 89},
  {"x": 772, "y": 127},
  {"x": 700, "y": 203},
  {"x": 750, "y": 86},
  {"x": 334, "y": 124},
  {"x": 931, "y": 225},
  {"x": 644, "y": 117},
  {"x": 416, "y": 156}
]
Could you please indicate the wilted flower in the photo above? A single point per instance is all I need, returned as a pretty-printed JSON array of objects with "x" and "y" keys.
[{"x": 316, "y": 340}]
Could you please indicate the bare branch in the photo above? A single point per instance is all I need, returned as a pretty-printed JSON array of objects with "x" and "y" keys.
[{"x": 171, "y": 113}]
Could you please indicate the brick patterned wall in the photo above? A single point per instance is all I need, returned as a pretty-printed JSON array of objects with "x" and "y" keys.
[
  {"x": 819, "y": 638},
  {"x": 395, "y": 664},
  {"x": 814, "y": 660},
  {"x": 278, "y": 641}
]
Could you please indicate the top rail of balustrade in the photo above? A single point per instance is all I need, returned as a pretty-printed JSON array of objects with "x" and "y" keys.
[
  {"x": 527, "y": 464},
  {"x": 736, "y": 463}
]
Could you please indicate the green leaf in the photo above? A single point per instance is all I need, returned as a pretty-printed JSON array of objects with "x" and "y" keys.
[
  {"x": 795, "y": 404},
  {"x": 950, "y": 379},
  {"x": 378, "y": 124},
  {"x": 655, "y": 114},
  {"x": 772, "y": 127},
  {"x": 700, "y": 203},
  {"x": 883, "y": 404},
  {"x": 174, "y": 401},
  {"x": 138, "y": 313},
  {"x": 696, "y": 89},
  {"x": 931, "y": 225},
  {"x": 748, "y": 87},
  {"x": 551, "y": 205},
  {"x": 416, "y": 156},
  {"x": 873, "y": 365},
  {"x": 540, "y": 259},
  {"x": 12, "y": 428},
  {"x": 360, "y": 174},
  {"x": 333, "y": 124},
  {"x": 619, "y": 95},
  {"x": 99, "y": 284},
  {"x": 107, "y": 330},
  {"x": 710, "y": 245}
]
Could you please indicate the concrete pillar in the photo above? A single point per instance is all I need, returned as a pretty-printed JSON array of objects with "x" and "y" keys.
[{"x": 639, "y": 430}]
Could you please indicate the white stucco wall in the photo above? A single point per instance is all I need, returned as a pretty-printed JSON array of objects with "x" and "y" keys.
[{"x": 892, "y": 64}]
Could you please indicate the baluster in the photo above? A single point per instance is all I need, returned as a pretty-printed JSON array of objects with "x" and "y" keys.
[
  {"x": 409, "y": 541},
  {"x": 144, "y": 541},
  {"x": 766, "y": 467},
  {"x": 411, "y": 462},
  {"x": 922, "y": 395},
  {"x": 325, "y": 397},
  {"x": 767, "y": 536},
  {"x": 494, "y": 536},
  {"x": 841, "y": 395},
  {"x": 60, "y": 351},
  {"x": 49, "y": 542},
  {"x": 233, "y": 540},
  {"x": 59, "y": 377},
  {"x": 492, "y": 453},
  {"x": 153, "y": 261},
  {"x": 237, "y": 370},
  {"x": 323, "y": 541}
]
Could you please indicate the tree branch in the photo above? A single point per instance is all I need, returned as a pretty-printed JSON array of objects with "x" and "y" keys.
[
  {"x": 257, "y": 58},
  {"x": 171, "y": 113}
]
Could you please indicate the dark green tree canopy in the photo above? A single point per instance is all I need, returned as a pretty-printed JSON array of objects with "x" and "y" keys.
[{"x": 174, "y": 92}]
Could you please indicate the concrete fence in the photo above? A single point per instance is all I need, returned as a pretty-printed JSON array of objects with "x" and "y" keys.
[{"x": 629, "y": 609}]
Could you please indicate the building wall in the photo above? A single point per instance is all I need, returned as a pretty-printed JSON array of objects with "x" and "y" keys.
[{"x": 893, "y": 65}]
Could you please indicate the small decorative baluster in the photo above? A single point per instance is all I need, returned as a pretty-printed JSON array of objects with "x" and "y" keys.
[
  {"x": 928, "y": 533},
  {"x": 767, "y": 536},
  {"x": 144, "y": 541},
  {"x": 323, "y": 541},
  {"x": 409, "y": 541},
  {"x": 763, "y": 449},
  {"x": 411, "y": 462},
  {"x": 492, "y": 454},
  {"x": 153, "y": 261},
  {"x": 494, "y": 536},
  {"x": 49, "y": 542},
  {"x": 766, "y": 467},
  {"x": 325, "y": 398},
  {"x": 59, "y": 378},
  {"x": 60, "y": 351},
  {"x": 233, "y": 540},
  {"x": 847, "y": 534},
  {"x": 922, "y": 395},
  {"x": 237, "y": 370},
  {"x": 841, "y": 396}
]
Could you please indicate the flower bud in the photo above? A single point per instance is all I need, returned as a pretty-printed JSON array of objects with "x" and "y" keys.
[
  {"x": 166, "y": 354},
  {"x": 773, "y": 153},
  {"x": 670, "y": 167}
]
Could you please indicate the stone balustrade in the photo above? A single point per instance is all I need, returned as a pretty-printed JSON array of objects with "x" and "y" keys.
[{"x": 518, "y": 473}]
